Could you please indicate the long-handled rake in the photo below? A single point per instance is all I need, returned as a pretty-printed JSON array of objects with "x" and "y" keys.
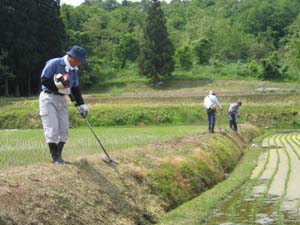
[
  {"x": 107, "y": 159},
  {"x": 218, "y": 122},
  {"x": 240, "y": 129}
]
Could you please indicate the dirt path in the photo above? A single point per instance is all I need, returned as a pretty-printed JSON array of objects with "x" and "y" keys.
[{"x": 272, "y": 195}]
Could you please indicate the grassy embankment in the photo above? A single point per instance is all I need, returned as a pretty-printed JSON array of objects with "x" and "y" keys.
[
  {"x": 198, "y": 209},
  {"x": 148, "y": 181},
  {"x": 267, "y": 104}
]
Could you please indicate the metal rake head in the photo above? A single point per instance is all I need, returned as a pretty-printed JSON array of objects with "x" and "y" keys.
[{"x": 109, "y": 161}]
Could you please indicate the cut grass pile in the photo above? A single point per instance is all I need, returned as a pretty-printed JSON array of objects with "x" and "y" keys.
[{"x": 90, "y": 192}]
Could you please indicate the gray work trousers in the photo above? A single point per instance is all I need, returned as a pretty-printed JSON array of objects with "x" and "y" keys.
[{"x": 55, "y": 117}]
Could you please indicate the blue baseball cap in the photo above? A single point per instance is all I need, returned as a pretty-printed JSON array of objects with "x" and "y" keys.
[{"x": 78, "y": 53}]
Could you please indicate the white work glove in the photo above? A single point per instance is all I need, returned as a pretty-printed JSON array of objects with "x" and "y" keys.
[{"x": 83, "y": 110}]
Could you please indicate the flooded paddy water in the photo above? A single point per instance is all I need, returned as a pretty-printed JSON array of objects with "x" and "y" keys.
[{"x": 272, "y": 194}]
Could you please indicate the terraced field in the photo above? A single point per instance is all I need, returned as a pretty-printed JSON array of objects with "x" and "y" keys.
[{"x": 272, "y": 195}]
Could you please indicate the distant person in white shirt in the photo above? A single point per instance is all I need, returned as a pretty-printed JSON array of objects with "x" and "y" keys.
[
  {"x": 233, "y": 112},
  {"x": 211, "y": 103}
]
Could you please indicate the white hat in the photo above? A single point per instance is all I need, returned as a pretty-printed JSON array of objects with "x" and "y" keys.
[{"x": 211, "y": 92}]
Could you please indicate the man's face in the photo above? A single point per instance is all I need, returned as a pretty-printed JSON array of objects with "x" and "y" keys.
[{"x": 73, "y": 62}]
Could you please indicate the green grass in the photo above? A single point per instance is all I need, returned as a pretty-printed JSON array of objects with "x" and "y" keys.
[
  {"x": 191, "y": 175},
  {"x": 229, "y": 77},
  {"x": 229, "y": 71},
  {"x": 197, "y": 210},
  {"x": 271, "y": 115},
  {"x": 24, "y": 147},
  {"x": 176, "y": 102}
]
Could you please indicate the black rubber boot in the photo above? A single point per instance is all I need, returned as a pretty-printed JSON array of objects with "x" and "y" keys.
[
  {"x": 60, "y": 147},
  {"x": 53, "y": 151},
  {"x": 210, "y": 129}
]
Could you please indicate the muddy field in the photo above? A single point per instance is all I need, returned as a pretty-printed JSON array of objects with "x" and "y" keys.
[{"x": 272, "y": 195}]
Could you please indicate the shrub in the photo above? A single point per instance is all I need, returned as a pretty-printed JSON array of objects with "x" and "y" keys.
[
  {"x": 183, "y": 57},
  {"x": 272, "y": 70},
  {"x": 295, "y": 123},
  {"x": 202, "y": 51}
]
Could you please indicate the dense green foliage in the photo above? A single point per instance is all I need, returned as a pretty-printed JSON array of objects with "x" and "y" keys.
[
  {"x": 212, "y": 33},
  {"x": 31, "y": 32}
]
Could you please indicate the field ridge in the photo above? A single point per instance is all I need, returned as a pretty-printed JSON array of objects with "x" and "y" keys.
[{"x": 90, "y": 192}]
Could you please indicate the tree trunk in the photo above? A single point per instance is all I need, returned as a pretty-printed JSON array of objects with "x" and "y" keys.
[
  {"x": 29, "y": 85},
  {"x": 17, "y": 90},
  {"x": 6, "y": 86}
]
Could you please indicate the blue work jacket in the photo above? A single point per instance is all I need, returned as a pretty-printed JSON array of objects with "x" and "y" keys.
[{"x": 58, "y": 65}]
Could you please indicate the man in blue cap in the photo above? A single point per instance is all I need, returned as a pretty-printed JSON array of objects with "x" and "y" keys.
[{"x": 60, "y": 78}]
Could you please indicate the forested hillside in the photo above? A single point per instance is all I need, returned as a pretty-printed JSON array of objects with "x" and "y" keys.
[{"x": 247, "y": 38}]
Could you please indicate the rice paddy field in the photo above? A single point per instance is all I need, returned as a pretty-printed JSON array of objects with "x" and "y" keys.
[
  {"x": 271, "y": 196},
  {"x": 266, "y": 104},
  {"x": 26, "y": 147},
  {"x": 159, "y": 126}
]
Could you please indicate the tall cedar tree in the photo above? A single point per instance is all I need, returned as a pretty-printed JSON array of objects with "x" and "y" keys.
[
  {"x": 31, "y": 32},
  {"x": 156, "y": 56},
  {"x": 51, "y": 34}
]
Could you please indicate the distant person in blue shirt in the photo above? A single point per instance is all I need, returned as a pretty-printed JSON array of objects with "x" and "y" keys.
[
  {"x": 60, "y": 78},
  {"x": 233, "y": 112}
]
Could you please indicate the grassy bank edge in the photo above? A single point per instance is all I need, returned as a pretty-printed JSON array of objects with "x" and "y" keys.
[{"x": 196, "y": 211}]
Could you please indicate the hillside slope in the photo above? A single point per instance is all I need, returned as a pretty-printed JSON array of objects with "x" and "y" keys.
[{"x": 148, "y": 181}]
